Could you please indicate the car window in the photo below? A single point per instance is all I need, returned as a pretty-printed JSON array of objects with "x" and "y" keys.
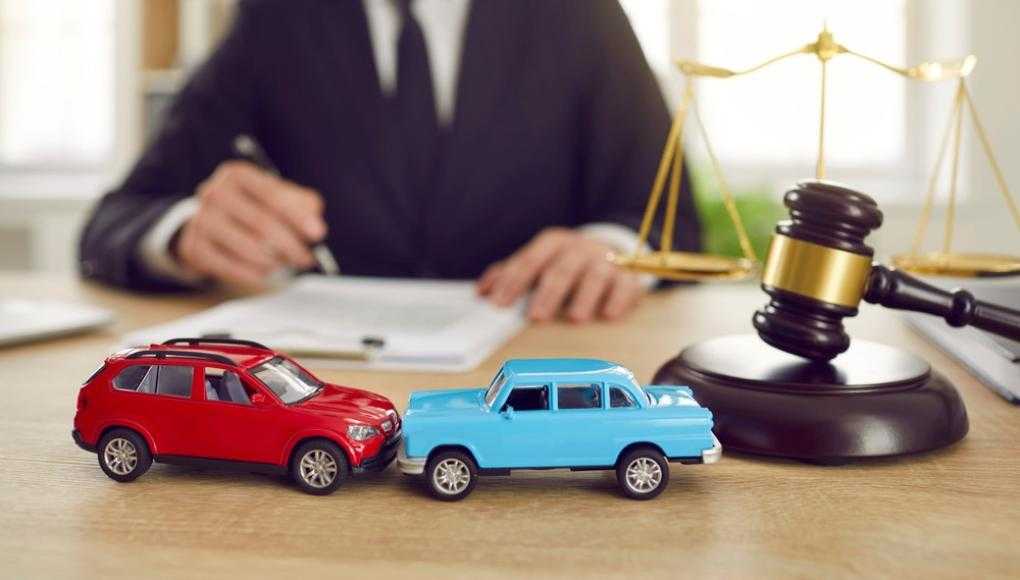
[
  {"x": 171, "y": 380},
  {"x": 619, "y": 398},
  {"x": 174, "y": 380},
  {"x": 287, "y": 380},
  {"x": 141, "y": 378},
  {"x": 225, "y": 386},
  {"x": 579, "y": 396},
  {"x": 493, "y": 391},
  {"x": 528, "y": 398}
]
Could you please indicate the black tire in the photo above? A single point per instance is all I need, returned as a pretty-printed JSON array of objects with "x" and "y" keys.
[
  {"x": 445, "y": 464},
  {"x": 123, "y": 455},
  {"x": 325, "y": 469},
  {"x": 647, "y": 482}
]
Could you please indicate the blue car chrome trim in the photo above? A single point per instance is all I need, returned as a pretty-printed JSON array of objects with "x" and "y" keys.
[
  {"x": 409, "y": 466},
  {"x": 712, "y": 455}
]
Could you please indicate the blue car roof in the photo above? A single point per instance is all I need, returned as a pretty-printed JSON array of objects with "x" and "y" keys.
[{"x": 553, "y": 366}]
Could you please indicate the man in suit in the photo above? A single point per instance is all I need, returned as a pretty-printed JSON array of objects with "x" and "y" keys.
[{"x": 509, "y": 141}]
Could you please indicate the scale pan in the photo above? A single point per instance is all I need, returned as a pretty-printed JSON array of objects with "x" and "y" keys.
[
  {"x": 688, "y": 266},
  {"x": 959, "y": 265}
]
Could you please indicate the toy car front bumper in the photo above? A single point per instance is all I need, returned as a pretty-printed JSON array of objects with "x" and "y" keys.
[
  {"x": 410, "y": 465},
  {"x": 712, "y": 455},
  {"x": 384, "y": 458}
]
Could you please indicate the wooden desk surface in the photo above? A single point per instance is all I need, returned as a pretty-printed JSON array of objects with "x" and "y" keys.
[{"x": 952, "y": 513}]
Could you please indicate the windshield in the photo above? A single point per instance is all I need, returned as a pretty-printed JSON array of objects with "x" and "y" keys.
[
  {"x": 287, "y": 380},
  {"x": 494, "y": 388},
  {"x": 637, "y": 387}
]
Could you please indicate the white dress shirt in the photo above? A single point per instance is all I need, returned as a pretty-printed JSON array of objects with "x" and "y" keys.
[{"x": 443, "y": 23}]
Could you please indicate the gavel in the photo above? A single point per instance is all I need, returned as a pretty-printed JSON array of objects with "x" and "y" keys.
[{"x": 819, "y": 269}]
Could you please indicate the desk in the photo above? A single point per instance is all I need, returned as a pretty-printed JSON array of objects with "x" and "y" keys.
[{"x": 949, "y": 513}]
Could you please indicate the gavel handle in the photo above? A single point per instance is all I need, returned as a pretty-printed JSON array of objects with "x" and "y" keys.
[{"x": 894, "y": 289}]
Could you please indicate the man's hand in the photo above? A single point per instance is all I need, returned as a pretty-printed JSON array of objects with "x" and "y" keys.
[
  {"x": 249, "y": 224},
  {"x": 567, "y": 270}
]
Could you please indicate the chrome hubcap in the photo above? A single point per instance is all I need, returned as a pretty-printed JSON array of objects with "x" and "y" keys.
[
  {"x": 120, "y": 456},
  {"x": 318, "y": 468},
  {"x": 451, "y": 476},
  {"x": 643, "y": 475}
]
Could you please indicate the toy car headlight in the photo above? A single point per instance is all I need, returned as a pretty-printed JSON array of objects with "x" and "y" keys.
[{"x": 361, "y": 432}]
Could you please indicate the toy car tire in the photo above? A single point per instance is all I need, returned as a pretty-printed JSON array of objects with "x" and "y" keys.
[
  {"x": 642, "y": 473},
  {"x": 451, "y": 475},
  {"x": 319, "y": 467},
  {"x": 123, "y": 455}
]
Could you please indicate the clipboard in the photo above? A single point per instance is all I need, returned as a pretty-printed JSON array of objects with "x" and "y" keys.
[{"x": 362, "y": 323}]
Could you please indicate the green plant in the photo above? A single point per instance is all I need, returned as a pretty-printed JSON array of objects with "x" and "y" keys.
[{"x": 759, "y": 207}]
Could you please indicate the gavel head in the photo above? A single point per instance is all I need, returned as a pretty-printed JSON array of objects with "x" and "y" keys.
[{"x": 817, "y": 269}]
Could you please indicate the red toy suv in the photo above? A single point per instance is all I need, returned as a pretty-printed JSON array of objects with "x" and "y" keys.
[{"x": 230, "y": 403}]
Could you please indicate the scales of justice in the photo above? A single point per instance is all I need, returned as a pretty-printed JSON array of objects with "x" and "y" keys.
[{"x": 799, "y": 388}]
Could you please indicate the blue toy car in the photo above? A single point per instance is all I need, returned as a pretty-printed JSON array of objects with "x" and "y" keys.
[{"x": 555, "y": 413}]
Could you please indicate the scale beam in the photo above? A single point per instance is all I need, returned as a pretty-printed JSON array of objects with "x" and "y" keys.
[{"x": 825, "y": 48}]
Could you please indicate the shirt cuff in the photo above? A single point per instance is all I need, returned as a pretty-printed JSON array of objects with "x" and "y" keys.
[
  {"x": 154, "y": 250},
  {"x": 622, "y": 240}
]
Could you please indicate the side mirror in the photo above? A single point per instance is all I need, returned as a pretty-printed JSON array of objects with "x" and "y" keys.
[
  {"x": 259, "y": 400},
  {"x": 508, "y": 412}
]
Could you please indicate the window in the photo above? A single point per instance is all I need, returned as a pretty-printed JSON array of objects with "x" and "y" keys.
[
  {"x": 882, "y": 131},
  {"x": 57, "y": 68},
  {"x": 494, "y": 389},
  {"x": 140, "y": 378},
  {"x": 528, "y": 398},
  {"x": 288, "y": 381},
  {"x": 174, "y": 380},
  {"x": 226, "y": 386},
  {"x": 649, "y": 19},
  {"x": 171, "y": 380},
  {"x": 619, "y": 398},
  {"x": 586, "y": 396},
  {"x": 770, "y": 118}
]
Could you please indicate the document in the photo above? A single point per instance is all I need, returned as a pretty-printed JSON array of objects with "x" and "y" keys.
[
  {"x": 28, "y": 320},
  {"x": 368, "y": 323}
]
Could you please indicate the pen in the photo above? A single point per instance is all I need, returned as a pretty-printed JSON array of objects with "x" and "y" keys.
[
  {"x": 246, "y": 147},
  {"x": 371, "y": 346}
]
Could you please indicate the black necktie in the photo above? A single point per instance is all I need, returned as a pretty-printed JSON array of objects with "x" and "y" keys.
[{"x": 416, "y": 106}]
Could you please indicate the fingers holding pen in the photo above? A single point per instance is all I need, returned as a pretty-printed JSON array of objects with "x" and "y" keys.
[
  {"x": 253, "y": 219},
  {"x": 300, "y": 208},
  {"x": 201, "y": 255}
]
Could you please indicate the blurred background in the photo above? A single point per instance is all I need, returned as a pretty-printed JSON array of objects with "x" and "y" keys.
[{"x": 83, "y": 86}]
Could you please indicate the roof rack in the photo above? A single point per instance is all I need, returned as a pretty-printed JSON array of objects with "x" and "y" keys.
[
  {"x": 230, "y": 341},
  {"x": 181, "y": 354}
]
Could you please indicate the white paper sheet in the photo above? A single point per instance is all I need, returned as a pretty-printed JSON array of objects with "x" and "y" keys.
[{"x": 426, "y": 325}]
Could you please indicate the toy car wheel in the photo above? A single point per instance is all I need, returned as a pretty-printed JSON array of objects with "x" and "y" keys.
[
  {"x": 319, "y": 467},
  {"x": 123, "y": 455},
  {"x": 451, "y": 475},
  {"x": 642, "y": 473}
]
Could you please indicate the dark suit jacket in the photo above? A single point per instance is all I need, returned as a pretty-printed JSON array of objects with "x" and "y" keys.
[{"x": 558, "y": 121}]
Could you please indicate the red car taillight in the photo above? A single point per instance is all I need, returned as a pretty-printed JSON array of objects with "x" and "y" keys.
[{"x": 83, "y": 401}]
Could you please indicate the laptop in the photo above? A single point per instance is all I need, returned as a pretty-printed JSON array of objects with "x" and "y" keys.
[
  {"x": 31, "y": 320},
  {"x": 994, "y": 360}
]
